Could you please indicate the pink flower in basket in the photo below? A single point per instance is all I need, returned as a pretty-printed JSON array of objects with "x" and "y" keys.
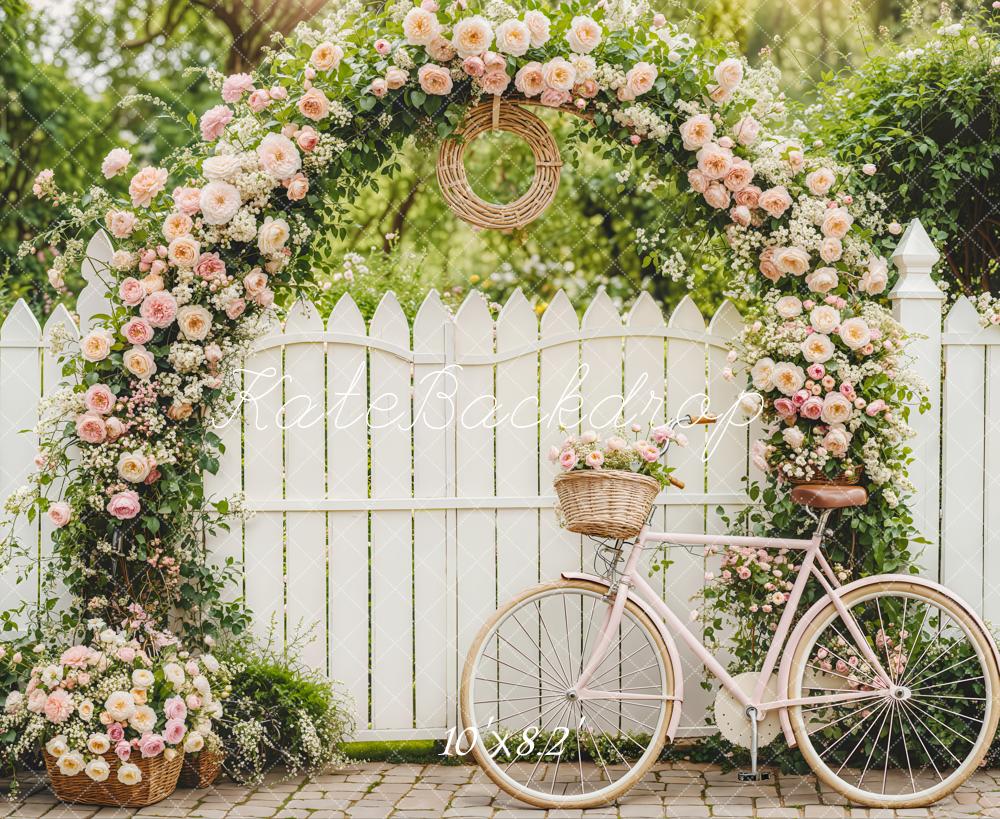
[
  {"x": 568, "y": 459},
  {"x": 595, "y": 459}
]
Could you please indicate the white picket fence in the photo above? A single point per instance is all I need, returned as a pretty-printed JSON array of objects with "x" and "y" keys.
[{"x": 400, "y": 482}]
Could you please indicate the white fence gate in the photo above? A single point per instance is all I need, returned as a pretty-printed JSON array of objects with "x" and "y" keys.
[{"x": 400, "y": 481}]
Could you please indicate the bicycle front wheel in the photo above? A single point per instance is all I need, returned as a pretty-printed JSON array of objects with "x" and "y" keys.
[
  {"x": 915, "y": 740},
  {"x": 530, "y": 732}
]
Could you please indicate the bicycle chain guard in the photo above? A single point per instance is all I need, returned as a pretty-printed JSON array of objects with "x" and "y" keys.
[{"x": 731, "y": 718}]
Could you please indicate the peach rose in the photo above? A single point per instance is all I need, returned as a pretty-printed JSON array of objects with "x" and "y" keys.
[
  {"x": 297, "y": 187},
  {"x": 99, "y": 399},
  {"x": 584, "y": 34},
  {"x": 640, "y": 78},
  {"x": 830, "y": 249},
  {"x": 775, "y": 201},
  {"x": 214, "y": 121},
  {"x": 183, "y": 251},
  {"x": 179, "y": 411},
  {"x": 822, "y": 280},
  {"x": 115, "y": 162},
  {"x": 396, "y": 78},
  {"x": 836, "y": 223},
  {"x": 529, "y": 79},
  {"x": 539, "y": 26},
  {"x": 146, "y": 185},
  {"x": 121, "y": 223},
  {"x": 91, "y": 428},
  {"x": 194, "y": 322},
  {"x": 717, "y": 196},
  {"x": 713, "y": 161},
  {"x": 326, "y": 56},
  {"x": 440, "y": 49},
  {"x": 272, "y": 236},
  {"x": 791, "y": 260},
  {"x": 176, "y": 224},
  {"x": 314, "y": 104},
  {"x": 307, "y": 138},
  {"x": 494, "y": 82},
  {"x": 749, "y": 196},
  {"x": 139, "y": 362},
  {"x": 697, "y": 180},
  {"x": 471, "y": 35},
  {"x": 96, "y": 345},
  {"x": 559, "y": 74},
  {"x": 739, "y": 176},
  {"x": 820, "y": 181},
  {"x": 746, "y": 130},
  {"x": 434, "y": 79},
  {"x": 729, "y": 73},
  {"x": 421, "y": 27},
  {"x": 59, "y": 514},
  {"x": 697, "y": 131}
]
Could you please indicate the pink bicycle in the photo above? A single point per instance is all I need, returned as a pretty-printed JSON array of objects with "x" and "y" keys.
[{"x": 888, "y": 685}]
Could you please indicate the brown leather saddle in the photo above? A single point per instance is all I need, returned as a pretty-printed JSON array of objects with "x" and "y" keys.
[{"x": 829, "y": 496}]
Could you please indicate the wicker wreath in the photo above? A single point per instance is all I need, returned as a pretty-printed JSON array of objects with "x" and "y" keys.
[{"x": 499, "y": 115}]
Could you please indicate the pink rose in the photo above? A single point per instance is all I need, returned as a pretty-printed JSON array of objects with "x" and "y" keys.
[
  {"x": 314, "y": 104},
  {"x": 115, "y": 428},
  {"x": 748, "y": 196},
  {"x": 434, "y": 79},
  {"x": 116, "y": 733},
  {"x": 717, "y": 196},
  {"x": 785, "y": 407},
  {"x": 235, "y": 308},
  {"x": 99, "y": 399},
  {"x": 174, "y": 731},
  {"x": 151, "y": 745},
  {"x": 588, "y": 89},
  {"x": 697, "y": 180},
  {"x": 554, "y": 98},
  {"x": 146, "y": 185},
  {"x": 811, "y": 408},
  {"x": 187, "y": 200},
  {"x": 740, "y": 215},
  {"x": 379, "y": 87},
  {"x": 297, "y": 187},
  {"x": 60, "y": 513},
  {"x": 847, "y": 390},
  {"x": 214, "y": 122},
  {"x": 115, "y": 162},
  {"x": 209, "y": 266},
  {"x": 396, "y": 78},
  {"x": 816, "y": 371},
  {"x": 382, "y": 46},
  {"x": 91, "y": 428},
  {"x": 775, "y": 201},
  {"x": 123, "y": 749},
  {"x": 875, "y": 407},
  {"x": 137, "y": 331},
  {"x": 159, "y": 308},
  {"x": 37, "y": 700},
  {"x": 259, "y": 100},
  {"x": 307, "y": 138},
  {"x": 265, "y": 298},
  {"x": 124, "y": 505},
  {"x": 255, "y": 281},
  {"x": 494, "y": 82},
  {"x": 474, "y": 66},
  {"x": 126, "y": 654},
  {"x": 76, "y": 656},
  {"x": 567, "y": 459},
  {"x": 58, "y": 706},
  {"x": 193, "y": 702},
  {"x": 175, "y": 708},
  {"x": 121, "y": 223},
  {"x": 235, "y": 86}
]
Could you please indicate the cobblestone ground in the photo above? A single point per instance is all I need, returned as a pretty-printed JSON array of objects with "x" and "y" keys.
[{"x": 383, "y": 791}]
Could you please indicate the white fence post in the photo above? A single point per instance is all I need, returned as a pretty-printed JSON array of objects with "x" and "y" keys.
[{"x": 916, "y": 302}]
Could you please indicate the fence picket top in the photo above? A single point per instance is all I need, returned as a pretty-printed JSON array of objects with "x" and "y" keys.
[
  {"x": 61, "y": 316},
  {"x": 389, "y": 322},
  {"x": 346, "y": 317},
  {"x": 303, "y": 317},
  {"x": 559, "y": 317},
  {"x": 474, "y": 325},
  {"x": 21, "y": 326},
  {"x": 645, "y": 313},
  {"x": 727, "y": 321},
  {"x": 428, "y": 324},
  {"x": 601, "y": 313},
  {"x": 687, "y": 316},
  {"x": 962, "y": 316},
  {"x": 99, "y": 254},
  {"x": 517, "y": 324}
]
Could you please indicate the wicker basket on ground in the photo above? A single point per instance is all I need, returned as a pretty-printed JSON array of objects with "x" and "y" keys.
[
  {"x": 202, "y": 769},
  {"x": 159, "y": 780},
  {"x": 605, "y": 502}
]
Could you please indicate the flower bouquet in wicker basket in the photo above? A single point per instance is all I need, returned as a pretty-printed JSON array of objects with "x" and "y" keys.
[
  {"x": 607, "y": 488},
  {"x": 116, "y": 714}
]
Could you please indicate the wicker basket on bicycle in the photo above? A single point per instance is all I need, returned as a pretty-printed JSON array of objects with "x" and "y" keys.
[{"x": 606, "y": 502}]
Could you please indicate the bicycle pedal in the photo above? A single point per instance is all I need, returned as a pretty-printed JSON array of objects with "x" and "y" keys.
[{"x": 749, "y": 776}]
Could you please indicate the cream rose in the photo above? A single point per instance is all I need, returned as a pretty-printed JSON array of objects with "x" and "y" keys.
[
  {"x": 584, "y": 34},
  {"x": 120, "y": 705},
  {"x": 183, "y": 251},
  {"x": 194, "y": 322},
  {"x": 856, "y": 333},
  {"x": 98, "y": 770},
  {"x": 836, "y": 408},
  {"x": 817, "y": 348},
  {"x": 820, "y": 181},
  {"x": 788, "y": 377},
  {"x": 134, "y": 467},
  {"x": 96, "y": 345},
  {"x": 793, "y": 436},
  {"x": 326, "y": 56},
  {"x": 98, "y": 743},
  {"x": 831, "y": 249},
  {"x": 175, "y": 225},
  {"x": 420, "y": 27},
  {"x": 836, "y": 441},
  {"x": 788, "y": 307},
  {"x": 822, "y": 280},
  {"x": 875, "y": 279},
  {"x": 513, "y": 37},
  {"x": 219, "y": 202},
  {"x": 791, "y": 260},
  {"x": 697, "y": 131},
  {"x": 278, "y": 156},
  {"x": 640, "y": 78},
  {"x": 539, "y": 26},
  {"x": 272, "y": 236},
  {"x": 140, "y": 362},
  {"x": 221, "y": 168},
  {"x": 762, "y": 374},
  {"x": 70, "y": 763},
  {"x": 143, "y": 719},
  {"x": 836, "y": 223},
  {"x": 129, "y": 774},
  {"x": 529, "y": 79},
  {"x": 559, "y": 74},
  {"x": 472, "y": 36},
  {"x": 729, "y": 73},
  {"x": 824, "y": 318}
]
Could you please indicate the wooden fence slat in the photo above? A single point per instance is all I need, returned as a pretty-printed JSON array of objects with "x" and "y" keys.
[
  {"x": 20, "y": 376},
  {"x": 963, "y": 459},
  {"x": 392, "y": 537},
  {"x": 93, "y": 299},
  {"x": 433, "y": 424},
  {"x": 347, "y": 450},
  {"x": 305, "y": 477}
]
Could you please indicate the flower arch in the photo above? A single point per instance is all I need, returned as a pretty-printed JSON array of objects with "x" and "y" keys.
[{"x": 207, "y": 240}]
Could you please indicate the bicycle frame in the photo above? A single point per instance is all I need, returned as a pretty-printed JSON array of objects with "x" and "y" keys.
[{"x": 631, "y": 583}]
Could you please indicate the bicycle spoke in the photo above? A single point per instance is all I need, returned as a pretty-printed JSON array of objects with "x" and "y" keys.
[
  {"x": 541, "y": 653},
  {"x": 555, "y": 651},
  {"x": 498, "y": 661},
  {"x": 920, "y": 739},
  {"x": 871, "y": 753},
  {"x": 909, "y": 707}
]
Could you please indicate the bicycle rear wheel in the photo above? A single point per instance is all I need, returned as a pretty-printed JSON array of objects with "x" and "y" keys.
[
  {"x": 916, "y": 740},
  {"x": 531, "y": 735}
]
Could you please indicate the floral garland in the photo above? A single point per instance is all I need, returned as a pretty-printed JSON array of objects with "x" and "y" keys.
[{"x": 207, "y": 240}]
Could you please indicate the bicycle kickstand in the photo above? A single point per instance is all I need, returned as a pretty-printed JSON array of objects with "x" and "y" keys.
[{"x": 753, "y": 775}]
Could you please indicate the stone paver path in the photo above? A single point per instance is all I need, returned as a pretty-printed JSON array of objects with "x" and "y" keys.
[{"x": 385, "y": 791}]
